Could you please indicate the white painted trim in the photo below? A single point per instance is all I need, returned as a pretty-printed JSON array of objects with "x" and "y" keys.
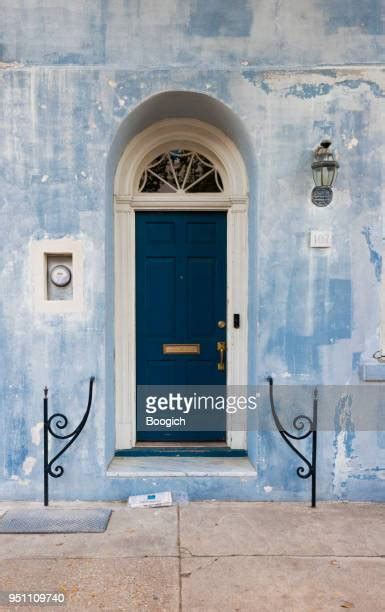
[
  {"x": 178, "y": 133},
  {"x": 38, "y": 258},
  {"x": 186, "y": 133},
  {"x": 382, "y": 295}
]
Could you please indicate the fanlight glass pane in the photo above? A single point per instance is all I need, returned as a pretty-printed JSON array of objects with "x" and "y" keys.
[{"x": 180, "y": 170}]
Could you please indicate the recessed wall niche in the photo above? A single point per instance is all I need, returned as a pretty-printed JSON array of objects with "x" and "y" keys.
[{"x": 57, "y": 275}]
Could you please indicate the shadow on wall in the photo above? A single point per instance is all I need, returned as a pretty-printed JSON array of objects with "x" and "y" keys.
[
  {"x": 181, "y": 104},
  {"x": 167, "y": 105}
]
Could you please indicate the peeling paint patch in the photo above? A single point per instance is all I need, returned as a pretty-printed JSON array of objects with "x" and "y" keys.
[
  {"x": 344, "y": 423},
  {"x": 35, "y": 433},
  {"x": 352, "y": 143},
  {"x": 20, "y": 480},
  {"x": 356, "y": 83},
  {"x": 343, "y": 444},
  {"x": 28, "y": 465},
  {"x": 253, "y": 77},
  {"x": 375, "y": 257},
  {"x": 268, "y": 489},
  {"x": 250, "y": 75},
  {"x": 308, "y": 90},
  {"x": 8, "y": 65},
  {"x": 266, "y": 87}
]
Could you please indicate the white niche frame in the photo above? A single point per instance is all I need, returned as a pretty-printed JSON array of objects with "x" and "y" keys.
[{"x": 40, "y": 249}]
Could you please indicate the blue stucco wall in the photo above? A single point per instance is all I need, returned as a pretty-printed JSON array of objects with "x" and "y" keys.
[{"x": 77, "y": 79}]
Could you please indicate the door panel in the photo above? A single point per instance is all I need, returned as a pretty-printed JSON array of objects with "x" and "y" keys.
[
  {"x": 158, "y": 274},
  {"x": 161, "y": 372},
  {"x": 180, "y": 297},
  {"x": 200, "y": 279}
]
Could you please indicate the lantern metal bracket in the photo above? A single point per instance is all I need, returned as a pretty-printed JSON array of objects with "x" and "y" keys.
[
  {"x": 60, "y": 421},
  {"x": 301, "y": 422}
]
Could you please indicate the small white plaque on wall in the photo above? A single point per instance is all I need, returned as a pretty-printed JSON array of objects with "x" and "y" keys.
[{"x": 320, "y": 239}]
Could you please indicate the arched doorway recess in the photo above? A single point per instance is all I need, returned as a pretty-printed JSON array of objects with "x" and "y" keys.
[{"x": 142, "y": 161}]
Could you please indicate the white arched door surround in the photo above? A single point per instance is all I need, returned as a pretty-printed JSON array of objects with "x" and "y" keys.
[{"x": 188, "y": 134}]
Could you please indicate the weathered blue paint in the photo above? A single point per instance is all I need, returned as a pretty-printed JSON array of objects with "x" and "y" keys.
[
  {"x": 339, "y": 306},
  {"x": 307, "y": 90},
  {"x": 375, "y": 257},
  {"x": 264, "y": 85},
  {"x": 77, "y": 82},
  {"x": 356, "y": 361},
  {"x": 134, "y": 33},
  {"x": 367, "y": 15},
  {"x": 375, "y": 88},
  {"x": 210, "y": 18}
]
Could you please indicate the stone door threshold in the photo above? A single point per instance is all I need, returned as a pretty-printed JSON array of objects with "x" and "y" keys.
[{"x": 134, "y": 467}]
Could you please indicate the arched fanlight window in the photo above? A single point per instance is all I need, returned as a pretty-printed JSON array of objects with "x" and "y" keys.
[{"x": 180, "y": 170}]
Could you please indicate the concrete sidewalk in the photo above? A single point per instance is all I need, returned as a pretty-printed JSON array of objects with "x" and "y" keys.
[{"x": 210, "y": 556}]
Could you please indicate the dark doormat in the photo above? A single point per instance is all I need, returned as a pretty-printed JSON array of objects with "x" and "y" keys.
[{"x": 55, "y": 520}]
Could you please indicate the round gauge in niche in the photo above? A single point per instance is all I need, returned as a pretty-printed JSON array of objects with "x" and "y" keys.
[{"x": 60, "y": 275}]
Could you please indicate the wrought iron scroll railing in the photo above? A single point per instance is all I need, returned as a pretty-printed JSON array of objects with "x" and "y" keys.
[
  {"x": 306, "y": 426},
  {"x": 59, "y": 421}
]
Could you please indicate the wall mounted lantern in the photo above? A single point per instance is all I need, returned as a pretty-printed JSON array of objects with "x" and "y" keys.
[{"x": 325, "y": 170}]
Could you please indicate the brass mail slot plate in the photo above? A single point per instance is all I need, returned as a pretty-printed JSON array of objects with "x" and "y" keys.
[{"x": 181, "y": 349}]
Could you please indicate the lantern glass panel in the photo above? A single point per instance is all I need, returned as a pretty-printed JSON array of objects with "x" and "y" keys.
[
  {"x": 317, "y": 176},
  {"x": 334, "y": 172},
  {"x": 324, "y": 174}
]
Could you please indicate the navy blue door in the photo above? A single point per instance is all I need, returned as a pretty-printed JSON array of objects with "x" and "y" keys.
[{"x": 180, "y": 299}]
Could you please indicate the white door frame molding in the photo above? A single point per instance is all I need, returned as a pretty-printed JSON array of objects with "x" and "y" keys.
[{"x": 209, "y": 141}]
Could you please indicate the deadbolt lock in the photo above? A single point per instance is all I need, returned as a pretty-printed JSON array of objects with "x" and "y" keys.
[{"x": 221, "y": 347}]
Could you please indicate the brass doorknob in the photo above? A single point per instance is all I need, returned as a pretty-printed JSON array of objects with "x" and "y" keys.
[{"x": 221, "y": 324}]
